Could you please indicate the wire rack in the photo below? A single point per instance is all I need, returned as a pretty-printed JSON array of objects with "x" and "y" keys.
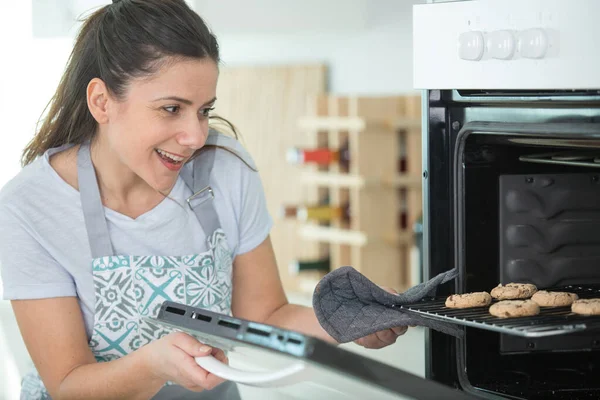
[
  {"x": 580, "y": 158},
  {"x": 549, "y": 322}
]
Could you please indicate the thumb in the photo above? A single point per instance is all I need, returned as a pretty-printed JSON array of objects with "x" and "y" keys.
[{"x": 389, "y": 289}]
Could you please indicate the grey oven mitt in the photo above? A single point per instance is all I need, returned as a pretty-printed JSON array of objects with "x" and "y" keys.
[{"x": 350, "y": 306}]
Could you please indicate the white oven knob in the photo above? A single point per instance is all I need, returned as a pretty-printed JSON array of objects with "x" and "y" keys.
[
  {"x": 501, "y": 44},
  {"x": 470, "y": 45},
  {"x": 533, "y": 43}
]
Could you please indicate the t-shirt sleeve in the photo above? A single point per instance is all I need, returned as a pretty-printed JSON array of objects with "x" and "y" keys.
[
  {"x": 254, "y": 222},
  {"x": 27, "y": 269}
]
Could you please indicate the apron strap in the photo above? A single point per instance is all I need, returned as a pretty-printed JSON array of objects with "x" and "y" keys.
[
  {"x": 202, "y": 199},
  {"x": 198, "y": 179},
  {"x": 91, "y": 203}
]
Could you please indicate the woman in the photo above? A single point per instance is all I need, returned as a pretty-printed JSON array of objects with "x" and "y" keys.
[{"x": 96, "y": 231}]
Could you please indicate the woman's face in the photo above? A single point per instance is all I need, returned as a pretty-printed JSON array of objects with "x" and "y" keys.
[{"x": 163, "y": 120}]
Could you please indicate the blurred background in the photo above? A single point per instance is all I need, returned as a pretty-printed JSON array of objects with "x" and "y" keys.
[{"x": 296, "y": 76}]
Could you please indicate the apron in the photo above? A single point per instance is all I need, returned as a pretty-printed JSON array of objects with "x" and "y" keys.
[{"x": 129, "y": 287}]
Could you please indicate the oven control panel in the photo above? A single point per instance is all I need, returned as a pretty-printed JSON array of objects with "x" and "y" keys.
[{"x": 507, "y": 44}]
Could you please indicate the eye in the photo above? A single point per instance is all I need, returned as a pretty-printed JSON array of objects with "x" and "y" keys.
[
  {"x": 171, "y": 109},
  {"x": 206, "y": 111}
]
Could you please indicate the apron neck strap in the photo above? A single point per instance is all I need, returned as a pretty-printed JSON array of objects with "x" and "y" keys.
[
  {"x": 202, "y": 199},
  {"x": 91, "y": 203}
]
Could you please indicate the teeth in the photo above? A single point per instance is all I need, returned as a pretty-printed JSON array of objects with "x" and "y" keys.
[{"x": 169, "y": 155}]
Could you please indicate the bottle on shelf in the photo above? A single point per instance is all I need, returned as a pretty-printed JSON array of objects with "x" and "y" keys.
[
  {"x": 321, "y": 156},
  {"x": 319, "y": 264},
  {"x": 403, "y": 209},
  {"x": 317, "y": 212},
  {"x": 402, "y": 152}
]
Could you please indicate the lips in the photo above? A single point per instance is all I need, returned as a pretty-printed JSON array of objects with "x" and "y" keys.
[
  {"x": 172, "y": 156},
  {"x": 172, "y": 161}
]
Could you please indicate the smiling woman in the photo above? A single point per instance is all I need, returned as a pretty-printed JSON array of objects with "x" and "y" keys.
[{"x": 89, "y": 245}]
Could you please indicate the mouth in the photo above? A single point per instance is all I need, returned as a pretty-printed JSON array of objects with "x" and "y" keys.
[{"x": 172, "y": 161}]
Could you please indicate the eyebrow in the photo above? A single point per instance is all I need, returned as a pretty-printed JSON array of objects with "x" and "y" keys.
[{"x": 184, "y": 101}]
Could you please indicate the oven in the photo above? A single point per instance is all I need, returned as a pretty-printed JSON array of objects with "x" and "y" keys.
[{"x": 511, "y": 178}]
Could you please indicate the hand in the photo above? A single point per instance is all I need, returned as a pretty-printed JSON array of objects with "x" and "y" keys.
[
  {"x": 171, "y": 358},
  {"x": 385, "y": 337}
]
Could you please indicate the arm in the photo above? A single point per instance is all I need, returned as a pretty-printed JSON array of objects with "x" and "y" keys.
[
  {"x": 54, "y": 333},
  {"x": 258, "y": 294}
]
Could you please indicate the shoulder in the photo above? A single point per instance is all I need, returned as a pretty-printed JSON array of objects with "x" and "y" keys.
[
  {"x": 25, "y": 184},
  {"x": 34, "y": 189}
]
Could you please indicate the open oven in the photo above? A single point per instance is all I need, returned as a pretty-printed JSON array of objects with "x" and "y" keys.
[{"x": 511, "y": 177}]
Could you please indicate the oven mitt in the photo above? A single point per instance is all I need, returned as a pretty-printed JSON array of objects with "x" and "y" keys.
[{"x": 350, "y": 306}]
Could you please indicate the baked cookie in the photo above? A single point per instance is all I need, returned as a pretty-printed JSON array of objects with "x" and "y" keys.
[
  {"x": 513, "y": 291},
  {"x": 467, "y": 300},
  {"x": 514, "y": 308},
  {"x": 553, "y": 299},
  {"x": 586, "y": 306}
]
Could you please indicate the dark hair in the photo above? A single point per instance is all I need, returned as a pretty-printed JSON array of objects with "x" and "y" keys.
[{"x": 118, "y": 42}]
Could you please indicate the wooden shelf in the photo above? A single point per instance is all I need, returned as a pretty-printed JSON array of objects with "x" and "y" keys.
[
  {"x": 341, "y": 180},
  {"x": 397, "y": 239},
  {"x": 333, "y": 235},
  {"x": 352, "y": 238},
  {"x": 404, "y": 180},
  {"x": 379, "y": 132},
  {"x": 333, "y": 179},
  {"x": 313, "y": 124},
  {"x": 332, "y": 123},
  {"x": 407, "y": 123}
]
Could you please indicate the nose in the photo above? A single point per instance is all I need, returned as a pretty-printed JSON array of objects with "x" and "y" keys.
[{"x": 194, "y": 134}]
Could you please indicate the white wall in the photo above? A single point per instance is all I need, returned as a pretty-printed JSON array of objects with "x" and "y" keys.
[{"x": 366, "y": 43}]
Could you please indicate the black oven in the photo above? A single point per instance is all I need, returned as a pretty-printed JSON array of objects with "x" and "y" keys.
[{"x": 512, "y": 194}]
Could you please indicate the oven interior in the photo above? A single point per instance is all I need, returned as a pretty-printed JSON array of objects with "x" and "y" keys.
[
  {"x": 537, "y": 223},
  {"x": 521, "y": 181}
]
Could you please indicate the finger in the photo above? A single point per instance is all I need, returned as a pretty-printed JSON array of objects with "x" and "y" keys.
[
  {"x": 211, "y": 380},
  {"x": 220, "y": 355},
  {"x": 372, "y": 342},
  {"x": 189, "y": 373},
  {"x": 400, "y": 330},
  {"x": 196, "y": 375},
  {"x": 190, "y": 345},
  {"x": 387, "y": 336}
]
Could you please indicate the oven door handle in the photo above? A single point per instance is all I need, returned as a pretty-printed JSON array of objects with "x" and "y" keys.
[{"x": 294, "y": 373}]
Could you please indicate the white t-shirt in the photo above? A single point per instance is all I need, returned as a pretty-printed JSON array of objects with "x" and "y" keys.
[{"x": 44, "y": 248}]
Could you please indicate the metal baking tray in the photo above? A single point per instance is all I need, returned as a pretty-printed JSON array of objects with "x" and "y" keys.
[{"x": 550, "y": 321}]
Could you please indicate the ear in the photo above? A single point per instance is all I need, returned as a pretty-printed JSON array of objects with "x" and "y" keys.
[{"x": 98, "y": 99}]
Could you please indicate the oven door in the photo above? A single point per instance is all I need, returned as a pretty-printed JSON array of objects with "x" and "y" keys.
[{"x": 292, "y": 362}]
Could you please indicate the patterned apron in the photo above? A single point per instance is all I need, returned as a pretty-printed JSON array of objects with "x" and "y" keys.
[{"x": 128, "y": 287}]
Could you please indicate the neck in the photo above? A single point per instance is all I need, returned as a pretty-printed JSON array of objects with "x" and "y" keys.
[{"x": 120, "y": 188}]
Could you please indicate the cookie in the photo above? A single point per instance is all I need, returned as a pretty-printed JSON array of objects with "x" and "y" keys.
[
  {"x": 514, "y": 308},
  {"x": 513, "y": 291},
  {"x": 554, "y": 299},
  {"x": 467, "y": 300},
  {"x": 586, "y": 306}
]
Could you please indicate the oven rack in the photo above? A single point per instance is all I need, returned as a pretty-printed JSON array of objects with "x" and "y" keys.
[
  {"x": 579, "y": 158},
  {"x": 550, "y": 321}
]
